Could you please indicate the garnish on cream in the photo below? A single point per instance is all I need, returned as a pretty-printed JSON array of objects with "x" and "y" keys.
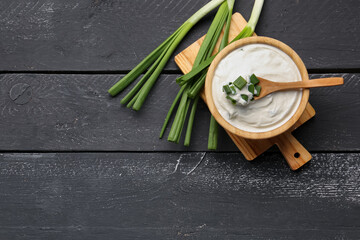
[
  {"x": 236, "y": 106},
  {"x": 241, "y": 91}
]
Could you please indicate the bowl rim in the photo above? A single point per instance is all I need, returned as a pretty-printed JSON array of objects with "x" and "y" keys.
[{"x": 240, "y": 43}]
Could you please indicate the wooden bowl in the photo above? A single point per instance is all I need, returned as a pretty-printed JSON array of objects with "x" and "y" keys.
[{"x": 256, "y": 135}]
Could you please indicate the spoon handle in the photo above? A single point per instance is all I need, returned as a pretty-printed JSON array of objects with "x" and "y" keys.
[{"x": 320, "y": 82}]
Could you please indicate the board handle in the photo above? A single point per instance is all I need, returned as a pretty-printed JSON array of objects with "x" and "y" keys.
[{"x": 295, "y": 154}]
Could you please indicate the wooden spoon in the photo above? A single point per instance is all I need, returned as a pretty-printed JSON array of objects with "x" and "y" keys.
[{"x": 268, "y": 86}]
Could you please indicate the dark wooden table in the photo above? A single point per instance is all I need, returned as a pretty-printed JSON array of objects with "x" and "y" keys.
[{"x": 75, "y": 164}]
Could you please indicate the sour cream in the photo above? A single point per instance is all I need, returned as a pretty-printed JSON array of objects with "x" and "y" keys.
[{"x": 264, "y": 61}]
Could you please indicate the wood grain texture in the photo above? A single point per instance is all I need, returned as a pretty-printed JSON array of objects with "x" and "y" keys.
[
  {"x": 177, "y": 196},
  {"x": 54, "y": 112},
  {"x": 86, "y": 35},
  {"x": 294, "y": 153}
]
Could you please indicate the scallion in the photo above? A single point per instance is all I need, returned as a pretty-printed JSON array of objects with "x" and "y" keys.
[
  {"x": 203, "y": 55},
  {"x": 240, "y": 82},
  {"x": 214, "y": 126},
  {"x": 245, "y": 97},
  {"x": 247, "y": 31},
  {"x": 213, "y": 134},
  {"x": 191, "y": 122},
  {"x": 227, "y": 89},
  {"x": 158, "y": 59},
  {"x": 194, "y": 80},
  {"x": 258, "y": 90},
  {"x": 253, "y": 79},
  {"x": 251, "y": 88}
]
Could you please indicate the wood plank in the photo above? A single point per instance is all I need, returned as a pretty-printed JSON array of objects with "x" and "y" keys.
[
  {"x": 160, "y": 196},
  {"x": 50, "y": 112},
  {"x": 84, "y": 35}
]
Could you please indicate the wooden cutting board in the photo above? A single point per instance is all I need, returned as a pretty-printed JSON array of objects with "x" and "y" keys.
[{"x": 295, "y": 154}]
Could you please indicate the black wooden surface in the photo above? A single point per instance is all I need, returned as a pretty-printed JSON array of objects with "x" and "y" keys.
[
  {"x": 164, "y": 195},
  {"x": 77, "y": 35},
  {"x": 75, "y": 164},
  {"x": 58, "y": 112}
]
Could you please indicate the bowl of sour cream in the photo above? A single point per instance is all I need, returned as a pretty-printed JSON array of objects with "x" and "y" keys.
[{"x": 267, "y": 58}]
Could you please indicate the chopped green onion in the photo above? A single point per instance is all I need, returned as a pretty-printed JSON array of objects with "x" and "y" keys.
[
  {"x": 233, "y": 101},
  {"x": 233, "y": 90},
  {"x": 245, "y": 97},
  {"x": 258, "y": 90},
  {"x": 227, "y": 89},
  {"x": 251, "y": 88},
  {"x": 253, "y": 79},
  {"x": 240, "y": 82}
]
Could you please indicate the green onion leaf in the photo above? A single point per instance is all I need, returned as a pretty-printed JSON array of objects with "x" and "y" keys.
[
  {"x": 179, "y": 118},
  {"x": 191, "y": 122},
  {"x": 225, "y": 39},
  {"x": 198, "y": 85},
  {"x": 213, "y": 129},
  {"x": 204, "y": 55},
  {"x": 189, "y": 76},
  {"x": 195, "y": 79},
  {"x": 247, "y": 31},
  {"x": 213, "y": 134},
  {"x": 144, "y": 91},
  {"x": 160, "y": 56},
  {"x": 171, "y": 111}
]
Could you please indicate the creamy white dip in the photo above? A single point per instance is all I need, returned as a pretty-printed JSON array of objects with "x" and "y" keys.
[{"x": 264, "y": 61}]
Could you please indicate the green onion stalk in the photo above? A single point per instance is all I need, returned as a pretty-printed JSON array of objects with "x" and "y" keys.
[
  {"x": 205, "y": 52},
  {"x": 247, "y": 31},
  {"x": 156, "y": 61},
  {"x": 214, "y": 126},
  {"x": 192, "y": 82}
]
